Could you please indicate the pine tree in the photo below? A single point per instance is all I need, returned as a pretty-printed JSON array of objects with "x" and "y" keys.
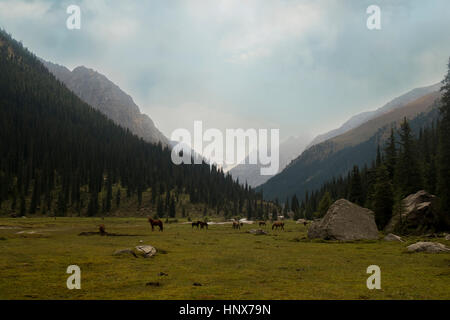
[
  {"x": 383, "y": 197},
  {"x": 118, "y": 198},
  {"x": 391, "y": 154},
  {"x": 324, "y": 204},
  {"x": 407, "y": 171},
  {"x": 444, "y": 148},
  {"x": 356, "y": 193}
]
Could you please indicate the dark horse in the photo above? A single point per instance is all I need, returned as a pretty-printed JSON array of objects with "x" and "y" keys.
[
  {"x": 262, "y": 223},
  {"x": 200, "y": 224},
  {"x": 236, "y": 225},
  {"x": 278, "y": 224},
  {"x": 195, "y": 224},
  {"x": 154, "y": 223}
]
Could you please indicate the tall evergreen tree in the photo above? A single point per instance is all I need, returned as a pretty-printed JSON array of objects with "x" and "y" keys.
[
  {"x": 407, "y": 171},
  {"x": 383, "y": 197},
  {"x": 444, "y": 147},
  {"x": 356, "y": 188}
]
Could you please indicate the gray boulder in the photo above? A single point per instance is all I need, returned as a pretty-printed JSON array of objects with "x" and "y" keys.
[
  {"x": 393, "y": 237},
  {"x": 419, "y": 215},
  {"x": 345, "y": 221},
  {"x": 146, "y": 251},
  {"x": 431, "y": 247}
]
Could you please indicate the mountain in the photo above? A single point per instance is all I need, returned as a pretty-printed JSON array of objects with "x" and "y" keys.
[
  {"x": 250, "y": 173},
  {"x": 102, "y": 94},
  {"x": 363, "y": 117},
  {"x": 336, "y": 156},
  {"x": 60, "y": 156}
]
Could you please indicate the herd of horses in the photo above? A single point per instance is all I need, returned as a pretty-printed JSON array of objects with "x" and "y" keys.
[{"x": 203, "y": 224}]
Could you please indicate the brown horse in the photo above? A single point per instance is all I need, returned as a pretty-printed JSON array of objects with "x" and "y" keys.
[
  {"x": 200, "y": 224},
  {"x": 262, "y": 223},
  {"x": 101, "y": 229},
  {"x": 154, "y": 223},
  {"x": 195, "y": 224},
  {"x": 278, "y": 224},
  {"x": 236, "y": 225}
]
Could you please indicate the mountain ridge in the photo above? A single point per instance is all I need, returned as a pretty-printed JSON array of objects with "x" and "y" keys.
[{"x": 104, "y": 95}]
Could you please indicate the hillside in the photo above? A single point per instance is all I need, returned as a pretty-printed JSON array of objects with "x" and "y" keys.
[
  {"x": 102, "y": 94},
  {"x": 61, "y": 157},
  {"x": 363, "y": 117},
  {"x": 290, "y": 149},
  {"x": 337, "y": 156}
]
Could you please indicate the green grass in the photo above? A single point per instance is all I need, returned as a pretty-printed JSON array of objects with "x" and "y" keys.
[{"x": 230, "y": 264}]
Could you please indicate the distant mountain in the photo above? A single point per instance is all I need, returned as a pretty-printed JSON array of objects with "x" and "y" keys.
[
  {"x": 250, "y": 173},
  {"x": 363, "y": 117},
  {"x": 336, "y": 156},
  {"x": 102, "y": 94}
]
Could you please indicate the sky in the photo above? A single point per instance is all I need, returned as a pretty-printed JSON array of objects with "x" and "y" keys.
[{"x": 303, "y": 67}]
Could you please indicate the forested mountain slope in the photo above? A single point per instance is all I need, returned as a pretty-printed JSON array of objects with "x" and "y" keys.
[
  {"x": 102, "y": 94},
  {"x": 61, "y": 155},
  {"x": 337, "y": 156}
]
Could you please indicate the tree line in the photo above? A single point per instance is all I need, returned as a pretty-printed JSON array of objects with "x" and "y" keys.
[{"x": 60, "y": 156}]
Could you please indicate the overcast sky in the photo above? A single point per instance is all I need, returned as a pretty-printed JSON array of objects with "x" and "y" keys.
[{"x": 302, "y": 66}]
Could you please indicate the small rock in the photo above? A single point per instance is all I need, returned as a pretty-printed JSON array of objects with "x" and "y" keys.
[
  {"x": 393, "y": 237},
  {"x": 196, "y": 284},
  {"x": 257, "y": 231},
  {"x": 447, "y": 237},
  {"x": 146, "y": 251},
  {"x": 161, "y": 274},
  {"x": 431, "y": 247}
]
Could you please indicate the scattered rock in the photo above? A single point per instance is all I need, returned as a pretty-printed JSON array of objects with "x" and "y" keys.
[
  {"x": 447, "y": 237},
  {"x": 257, "y": 231},
  {"x": 345, "y": 221},
  {"x": 154, "y": 284},
  {"x": 419, "y": 215},
  {"x": 125, "y": 251},
  {"x": 146, "y": 251},
  {"x": 431, "y": 247},
  {"x": 393, "y": 237},
  {"x": 196, "y": 284},
  {"x": 161, "y": 274}
]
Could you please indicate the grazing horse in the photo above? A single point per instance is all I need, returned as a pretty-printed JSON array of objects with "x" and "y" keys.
[
  {"x": 278, "y": 224},
  {"x": 195, "y": 224},
  {"x": 236, "y": 225},
  {"x": 262, "y": 223},
  {"x": 154, "y": 223},
  {"x": 203, "y": 224},
  {"x": 101, "y": 229}
]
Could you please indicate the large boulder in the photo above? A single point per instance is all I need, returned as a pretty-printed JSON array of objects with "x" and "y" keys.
[
  {"x": 430, "y": 247},
  {"x": 345, "y": 221},
  {"x": 419, "y": 215},
  {"x": 145, "y": 251}
]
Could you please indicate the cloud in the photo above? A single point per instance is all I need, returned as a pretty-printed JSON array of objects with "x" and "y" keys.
[
  {"x": 304, "y": 65},
  {"x": 20, "y": 9}
]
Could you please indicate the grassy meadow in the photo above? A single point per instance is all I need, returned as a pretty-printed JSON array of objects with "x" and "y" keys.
[{"x": 229, "y": 264}]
